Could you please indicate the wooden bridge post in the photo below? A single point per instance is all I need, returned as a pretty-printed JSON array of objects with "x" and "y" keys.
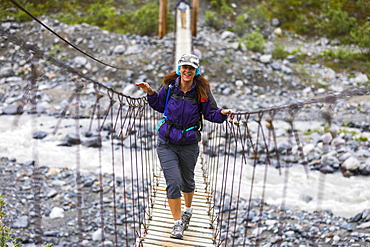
[
  {"x": 194, "y": 18},
  {"x": 162, "y": 23}
]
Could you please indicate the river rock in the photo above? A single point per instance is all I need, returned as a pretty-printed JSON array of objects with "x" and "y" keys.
[
  {"x": 351, "y": 164},
  {"x": 73, "y": 139},
  {"x": 39, "y": 135},
  {"x": 97, "y": 235},
  {"x": 360, "y": 78},
  {"x": 6, "y": 72},
  {"x": 13, "y": 110},
  {"x": 21, "y": 222},
  {"x": 266, "y": 58},
  {"x": 56, "y": 213}
]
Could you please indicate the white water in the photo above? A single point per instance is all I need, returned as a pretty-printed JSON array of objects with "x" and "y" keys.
[
  {"x": 16, "y": 142},
  {"x": 344, "y": 196}
]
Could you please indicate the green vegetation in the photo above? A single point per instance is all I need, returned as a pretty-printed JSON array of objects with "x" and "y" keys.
[
  {"x": 355, "y": 135},
  {"x": 361, "y": 139},
  {"x": 335, "y": 23},
  {"x": 223, "y": 6},
  {"x": 279, "y": 51},
  {"x": 326, "y": 129},
  {"x": 250, "y": 19},
  {"x": 132, "y": 16},
  {"x": 213, "y": 20},
  {"x": 254, "y": 41},
  {"x": 361, "y": 37},
  {"x": 341, "y": 20},
  {"x": 335, "y": 19},
  {"x": 5, "y": 232},
  {"x": 346, "y": 59}
]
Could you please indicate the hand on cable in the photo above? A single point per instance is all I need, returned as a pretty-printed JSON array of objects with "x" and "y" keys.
[{"x": 228, "y": 112}]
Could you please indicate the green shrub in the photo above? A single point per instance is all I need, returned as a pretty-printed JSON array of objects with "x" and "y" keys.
[
  {"x": 344, "y": 55},
  {"x": 104, "y": 14},
  {"x": 213, "y": 20},
  {"x": 223, "y": 7},
  {"x": 241, "y": 25},
  {"x": 255, "y": 41},
  {"x": 100, "y": 14},
  {"x": 144, "y": 21},
  {"x": 5, "y": 232},
  {"x": 301, "y": 24},
  {"x": 251, "y": 18},
  {"x": 19, "y": 14},
  {"x": 296, "y": 51},
  {"x": 361, "y": 37},
  {"x": 336, "y": 23},
  {"x": 279, "y": 52},
  {"x": 227, "y": 60}
]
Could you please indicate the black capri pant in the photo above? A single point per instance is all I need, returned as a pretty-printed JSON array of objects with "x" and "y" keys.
[{"x": 178, "y": 164}]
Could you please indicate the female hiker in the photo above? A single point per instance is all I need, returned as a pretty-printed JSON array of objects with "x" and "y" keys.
[{"x": 184, "y": 98}]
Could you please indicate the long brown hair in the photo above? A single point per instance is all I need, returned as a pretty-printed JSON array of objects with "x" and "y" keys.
[{"x": 201, "y": 84}]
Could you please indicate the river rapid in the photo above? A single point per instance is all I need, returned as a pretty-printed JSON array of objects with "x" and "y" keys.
[{"x": 310, "y": 191}]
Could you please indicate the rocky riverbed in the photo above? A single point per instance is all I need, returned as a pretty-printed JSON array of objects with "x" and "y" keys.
[
  {"x": 241, "y": 80},
  {"x": 59, "y": 214}
]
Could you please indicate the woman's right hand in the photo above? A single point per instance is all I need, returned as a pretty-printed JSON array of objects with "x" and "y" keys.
[{"x": 145, "y": 86}]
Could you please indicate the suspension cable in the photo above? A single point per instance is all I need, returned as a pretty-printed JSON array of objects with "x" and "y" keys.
[{"x": 60, "y": 37}]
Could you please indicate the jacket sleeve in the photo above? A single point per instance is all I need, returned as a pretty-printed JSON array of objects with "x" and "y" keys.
[
  {"x": 157, "y": 100},
  {"x": 177, "y": 4},
  {"x": 211, "y": 111}
]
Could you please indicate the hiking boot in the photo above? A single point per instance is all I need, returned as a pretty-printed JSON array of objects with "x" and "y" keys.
[
  {"x": 178, "y": 231},
  {"x": 185, "y": 217}
]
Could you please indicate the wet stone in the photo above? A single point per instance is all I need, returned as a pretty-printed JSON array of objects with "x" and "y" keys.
[{"x": 21, "y": 222}]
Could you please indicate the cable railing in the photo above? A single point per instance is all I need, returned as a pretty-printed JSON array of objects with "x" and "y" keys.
[{"x": 235, "y": 155}]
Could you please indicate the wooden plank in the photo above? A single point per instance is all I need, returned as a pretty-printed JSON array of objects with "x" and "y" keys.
[
  {"x": 197, "y": 196},
  {"x": 199, "y": 179},
  {"x": 174, "y": 243},
  {"x": 196, "y": 232},
  {"x": 165, "y": 236},
  {"x": 160, "y": 219},
  {"x": 197, "y": 192},
  {"x": 196, "y": 204},
  {"x": 199, "y": 226},
  {"x": 195, "y": 217},
  {"x": 186, "y": 241},
  {"x": 199, "y": 188}
]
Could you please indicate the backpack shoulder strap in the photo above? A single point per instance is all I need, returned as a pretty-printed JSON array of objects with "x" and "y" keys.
[{"x": 170, "y": 86}]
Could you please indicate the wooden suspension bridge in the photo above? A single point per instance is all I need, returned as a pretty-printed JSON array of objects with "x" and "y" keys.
[
  {"x": 221, "y": 216},
  {"x": 160, "y": 222}
]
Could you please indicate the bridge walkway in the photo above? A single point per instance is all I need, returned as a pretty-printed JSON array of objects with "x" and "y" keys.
[
  {"x": 159, "y": 224},
  {"x": 184, "y": 39}
]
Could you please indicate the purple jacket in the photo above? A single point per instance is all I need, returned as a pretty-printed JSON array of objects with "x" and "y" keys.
[{"x": 183, "y": 110}]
